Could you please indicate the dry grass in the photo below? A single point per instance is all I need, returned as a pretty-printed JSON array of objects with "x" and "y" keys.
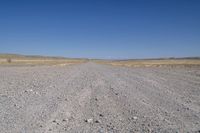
[
  {"x": 18, "y": 60},
  {"x": 154, "y": 63}
]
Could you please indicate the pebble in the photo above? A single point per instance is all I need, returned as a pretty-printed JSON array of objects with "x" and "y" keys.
[
  {"x": 97, "y": 121},
  {"x": 135, "y": 118},
  {"x": 89, "y": 120}
]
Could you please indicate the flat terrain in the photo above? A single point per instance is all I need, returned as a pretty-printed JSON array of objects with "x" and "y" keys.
[
  {"x": 99, "y": 98},
  {"x": 186, "y": 62},
  {"x": 24, "y": 60}
]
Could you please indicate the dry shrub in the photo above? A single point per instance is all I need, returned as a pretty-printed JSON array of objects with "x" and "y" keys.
[{"x": 9, "y": 60}]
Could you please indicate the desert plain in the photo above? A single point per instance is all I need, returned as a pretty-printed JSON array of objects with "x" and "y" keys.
[{"x": 90, "y": 96}]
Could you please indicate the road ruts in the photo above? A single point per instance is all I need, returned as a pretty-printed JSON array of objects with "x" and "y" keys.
[{"x": 96, "y": 98}]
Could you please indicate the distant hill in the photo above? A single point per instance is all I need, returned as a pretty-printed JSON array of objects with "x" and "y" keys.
[
  {"x": 170, "y": 58},
  {"x": 19, "y": 56},
  {"x": 35, "y": 60}
]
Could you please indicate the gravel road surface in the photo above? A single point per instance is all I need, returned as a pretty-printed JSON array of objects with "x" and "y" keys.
[{"x": 94, "y": 98}]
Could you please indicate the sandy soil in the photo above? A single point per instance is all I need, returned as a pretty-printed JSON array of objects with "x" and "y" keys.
[{"x": 99, "y": 98}]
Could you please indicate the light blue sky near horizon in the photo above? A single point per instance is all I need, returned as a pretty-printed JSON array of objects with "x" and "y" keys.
[{"x": 101, "y": 29}]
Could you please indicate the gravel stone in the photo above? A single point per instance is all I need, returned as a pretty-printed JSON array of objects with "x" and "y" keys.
[{"x": 149, "y": 99}]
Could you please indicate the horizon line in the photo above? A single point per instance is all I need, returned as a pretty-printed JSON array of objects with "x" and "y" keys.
[{"x": 55, "y": 56}]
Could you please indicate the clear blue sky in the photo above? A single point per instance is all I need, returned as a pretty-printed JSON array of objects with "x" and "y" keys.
[{"x": 101, "y": 28}]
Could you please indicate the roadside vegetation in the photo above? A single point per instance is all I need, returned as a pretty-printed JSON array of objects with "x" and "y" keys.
[
  {"x": 21, "y": 60},
  {"x": 152, "y": 62}
]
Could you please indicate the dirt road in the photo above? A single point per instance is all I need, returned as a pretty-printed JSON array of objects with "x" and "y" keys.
[{"x": 94, "y": 98}]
